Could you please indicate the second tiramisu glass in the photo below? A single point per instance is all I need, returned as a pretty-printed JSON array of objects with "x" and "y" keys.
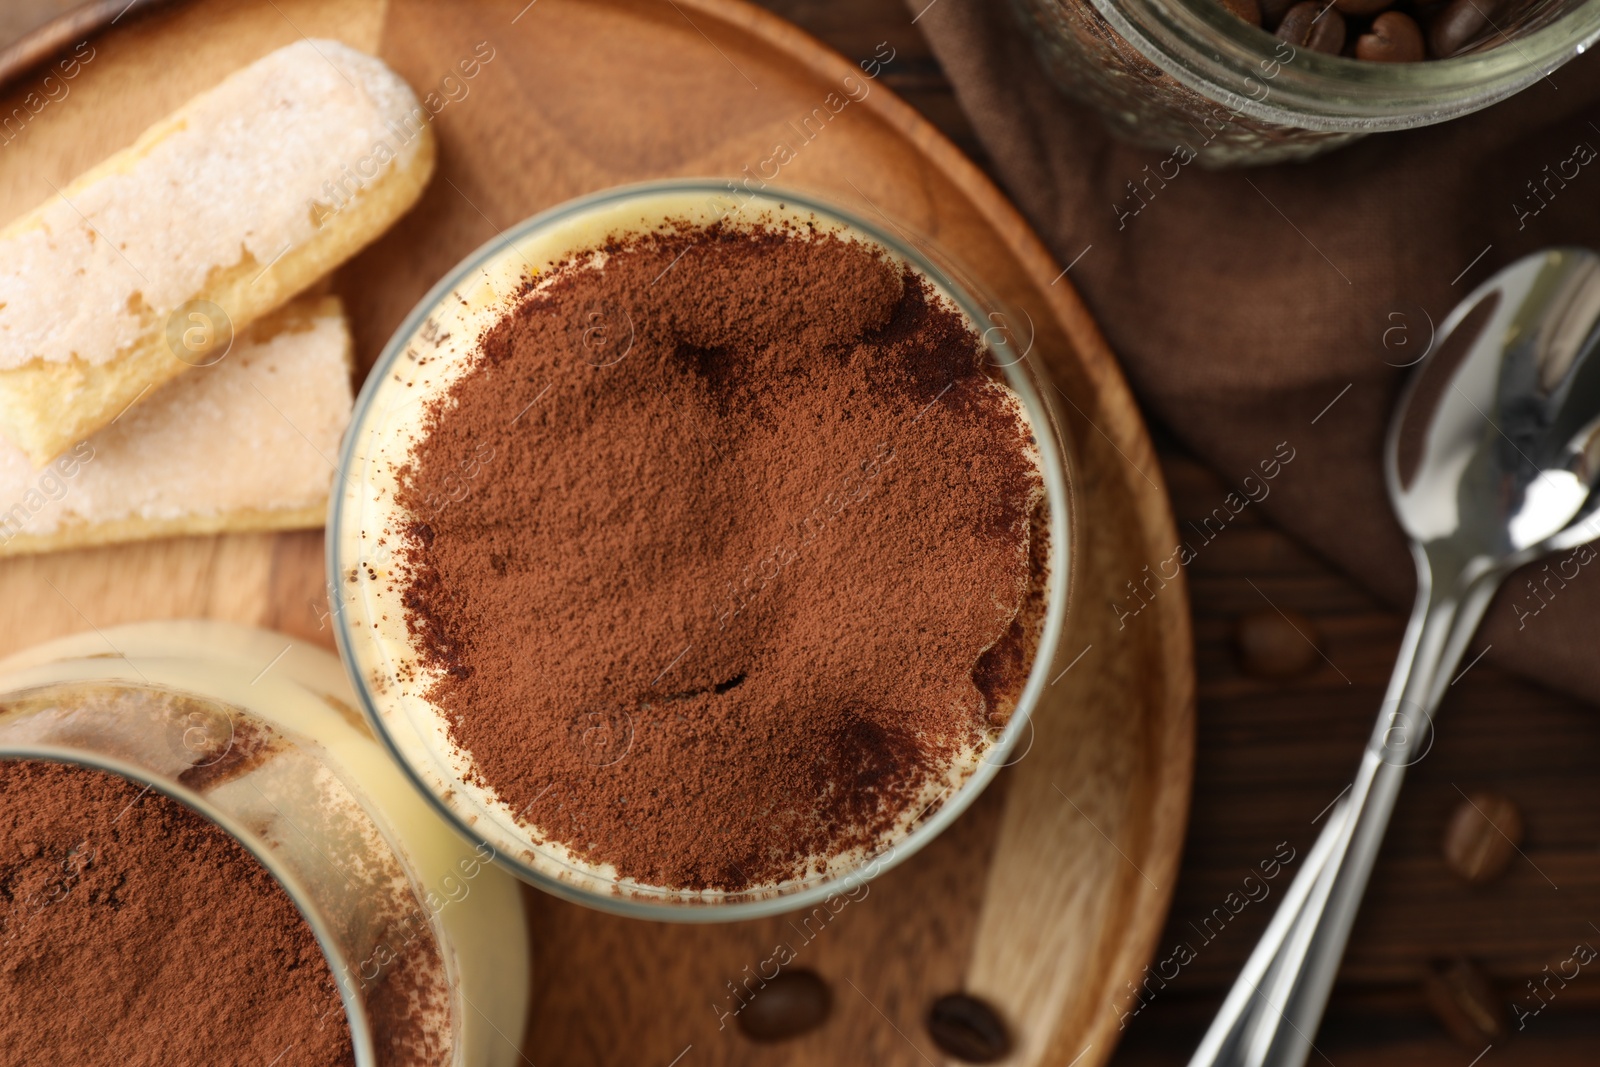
[
  {"x": 254, "y": 732},
  {"x": 405, "y": 661}
]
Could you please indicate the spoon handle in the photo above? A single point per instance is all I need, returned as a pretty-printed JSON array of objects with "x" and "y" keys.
[{"x": 1270, "y": 1016}]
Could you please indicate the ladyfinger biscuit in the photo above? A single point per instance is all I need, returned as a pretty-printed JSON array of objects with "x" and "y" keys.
[
  {"x": 249, "y": 443},
  {"x": 216, "y": 215}
]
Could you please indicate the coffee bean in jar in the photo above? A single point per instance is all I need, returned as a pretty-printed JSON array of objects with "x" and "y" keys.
[{"x": 1379, "y": 31}]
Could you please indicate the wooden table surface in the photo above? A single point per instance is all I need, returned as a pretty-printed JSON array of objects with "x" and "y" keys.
[{"x": 1271, "y": 755}]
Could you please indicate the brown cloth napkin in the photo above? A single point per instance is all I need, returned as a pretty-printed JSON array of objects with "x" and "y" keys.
[{"x": 1242, "y": 303}]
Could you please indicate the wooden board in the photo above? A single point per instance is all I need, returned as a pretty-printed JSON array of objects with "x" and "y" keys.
[{"x": 1048, "y": 895}]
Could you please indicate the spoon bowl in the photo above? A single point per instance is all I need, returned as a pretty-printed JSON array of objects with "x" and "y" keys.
[{"x": 1495, "y": 449}]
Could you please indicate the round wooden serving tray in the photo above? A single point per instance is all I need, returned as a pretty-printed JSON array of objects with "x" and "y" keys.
[{"x": 1047, "y": 897}]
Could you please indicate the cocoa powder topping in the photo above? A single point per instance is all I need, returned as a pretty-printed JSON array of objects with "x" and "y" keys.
[
  {"x": 137, "y": 934},
  {"x": 707, "y": 545}
]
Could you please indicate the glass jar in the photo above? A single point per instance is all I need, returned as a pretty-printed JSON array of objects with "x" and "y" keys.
[
  {"x": 425, "y": 937},
  {"x": 438, "y": 341},
  {"x": 1190, "y": 77}
]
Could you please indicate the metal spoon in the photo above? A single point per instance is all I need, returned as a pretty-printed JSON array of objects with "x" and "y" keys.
[{"x": 1491, "y": 460}]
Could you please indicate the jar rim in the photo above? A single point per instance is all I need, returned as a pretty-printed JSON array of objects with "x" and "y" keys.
[{"x": 1205, "y": 47}]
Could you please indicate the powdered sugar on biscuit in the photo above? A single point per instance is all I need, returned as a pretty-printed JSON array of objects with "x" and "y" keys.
[{"x": 233, "y": 179}]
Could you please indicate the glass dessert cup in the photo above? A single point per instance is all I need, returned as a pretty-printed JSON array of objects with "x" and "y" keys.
[
  {"x": 257, "y": 734},
  {"x": 1171, "y": 73},
  {"x": 363, "y": 528}
]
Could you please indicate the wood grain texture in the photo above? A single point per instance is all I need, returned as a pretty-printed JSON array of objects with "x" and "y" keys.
[
  {"x": 1048, "y": 895},
  {"x": 1271, "y": 753}
]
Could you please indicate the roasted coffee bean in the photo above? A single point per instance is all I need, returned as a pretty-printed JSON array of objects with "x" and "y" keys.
[
  {"x": 1362, "y": 8},
  {"x": 1273, "y": 644},
  {"x": 1309, "y": 24},
  {"x": 1395, "y": 37},
  {"x": 1249, "y": 10},
  {"x": 1482, "y": 836},
  {"x": 1457, "y": 26},
  {"x": 968, "y": 1029},
  {"x": 1465, "y": 1002},
  {"x": 787, "y": 1006}
]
